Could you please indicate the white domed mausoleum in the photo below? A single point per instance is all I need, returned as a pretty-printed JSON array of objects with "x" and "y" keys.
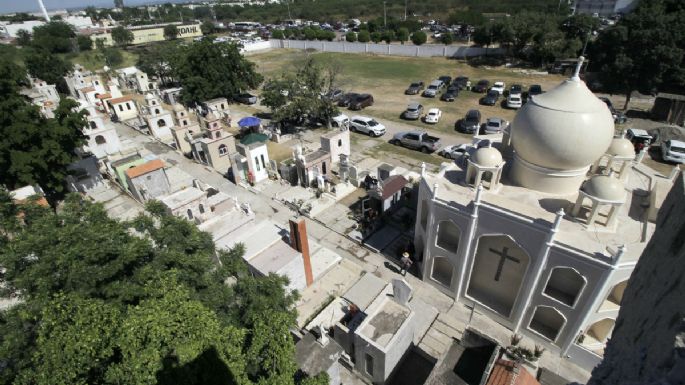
[
  {"x": 558, "y": 135},
  {"x": 546, "y": 251}
]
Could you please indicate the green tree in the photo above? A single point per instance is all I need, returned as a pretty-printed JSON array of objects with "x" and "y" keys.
[
  {"x": 403, "y": 35},
  {"x": 54, "y": 37},
  {"x": 419, "y": 37},
  {"x": 363, "y": 36},
  {"x": 277, "y": 34},
  {"x": 35, "y": 150},
  {"x": 207, "y": 70},
  {"x": 579, "y": 26},
  {"x": 297, "y": 98},
  {"x": 447, "y": 38},
  {"x": 159, "y": 59},
  {"x": 84, "y": 43},
  {"x": 122, "y": 36},
  {"x": 309, "y": 33},
  {"x": 351, "y": 36},
  {"x": 47, "y": 66},
  {"x": 23, "y": 38},
  {"x": 207, "y": 27},
  {"x": 389, "y": 36},
  {"x": 376, "y": 37},
  {"x": 483, "y": 35},
  {"x": 644, "y": 51},
  {"x": 170, "y": 32},
  {"x": 474, "y": 18}
]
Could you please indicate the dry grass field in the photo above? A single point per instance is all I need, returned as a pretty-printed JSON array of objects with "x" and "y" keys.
[{"x": 386, "y": 78}]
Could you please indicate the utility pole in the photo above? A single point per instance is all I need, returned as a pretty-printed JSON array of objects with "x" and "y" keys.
[
  {"x": 405, "y": 10},
  {"x": 287, "y": 2},
  {"x": 385, "y": 19},
  {"x": 45, "y": 12},
  {"x": 587, "y": 38}
]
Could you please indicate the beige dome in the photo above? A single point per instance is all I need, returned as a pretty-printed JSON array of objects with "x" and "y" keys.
[
  {"x": 149, "y": 96},
  {"x": 567, "y": 128},
  {"x": 487, "y": 157},
  {"x": 621, "y": 147},
  {"x": 605, "y": 187},
  {"x": 178, "y": 107}
]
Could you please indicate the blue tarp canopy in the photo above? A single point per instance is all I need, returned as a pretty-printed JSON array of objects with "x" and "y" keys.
[{"x": 249, "y": 121}]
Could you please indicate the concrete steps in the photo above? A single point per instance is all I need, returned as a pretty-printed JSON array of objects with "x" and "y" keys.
[{"x": 441, "y": 334}]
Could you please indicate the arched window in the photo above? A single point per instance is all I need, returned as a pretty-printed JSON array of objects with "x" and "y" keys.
[
  {"x": 190, "y": 214},
  {"x": 156, "y": 110},
  {"x": 443, "y": 270},
  {"x": 202, "y": 209},
  {"x": 223, "y": 150},
  {"x": 161, "y": 123},
  {"x": 548, "y": 322},
  {"x": 448, "y": 236},
  {"x": 565, "y": 285},
  {"x": 339, "y": 142},
  {"x": 616, "y": 294},
  {"x": 93, "y": 125},
  {"x": 600, "y": 330},
  {"x": 100, "y": 139},
  {"x": 256, "y": 162}
]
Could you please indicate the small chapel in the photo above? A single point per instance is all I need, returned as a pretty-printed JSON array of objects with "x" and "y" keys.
[{"x": 542, "y": 230}]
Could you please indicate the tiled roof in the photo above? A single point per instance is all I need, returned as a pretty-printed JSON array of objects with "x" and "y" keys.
[
  {"x": 121, "y": 99},
  {"x": 392, "y": 185},
  {"x": 104, "y": 96},
  {"x": 144, "y": 168}
]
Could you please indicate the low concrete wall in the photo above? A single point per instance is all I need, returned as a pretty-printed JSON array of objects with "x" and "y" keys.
[{"x": 426, "y": 50}]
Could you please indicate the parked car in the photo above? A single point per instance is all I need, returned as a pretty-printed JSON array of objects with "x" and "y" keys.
[
  {"x": 514, "y": 101},
  {"x": 462, "y": 82},
  {"x": 366, "y": 125},
  {"x": 346, "y": 99},
  {"x": 451, "y": 94},
  {"x": 533, "y": 90},
  {"x": 361, "y": 101},
  {"x": 499, "y": 87},
  {"x": 465, "y": 149},
  {"x": 433, "y": 116},
  {"x": 640, "y": 138},
  {"x": 333, "y": 95},
  {"x": 490, "y": 99},
  {"x": 246, "y": 98},
  {"x": 673, "y": 151},
  {"x": 470, "y": 123},
  {"x": 495, "y": 125},
  {"x": 413, "y": 111},
  {"x": 446, "y": 80},
  {"x": 414, "y": 88},
  {"x": 432, "y": 89},
  {"x": 619, "y": 117},
  {"x": 418, "y": 140},
  {"x": 482, "y": 86},
  {"x": 341, "y": 120},
  {"x": 515, "y": 89}
]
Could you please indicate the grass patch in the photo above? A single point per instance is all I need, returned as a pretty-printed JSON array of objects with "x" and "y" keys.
[
  {"x": 278, "y": 151},
  {"x": 388, "y": 149},
  {"x": 93, "y": 61}
]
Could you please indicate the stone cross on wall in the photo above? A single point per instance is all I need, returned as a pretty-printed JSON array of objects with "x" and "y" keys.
[{"x": 503, "y": 258}]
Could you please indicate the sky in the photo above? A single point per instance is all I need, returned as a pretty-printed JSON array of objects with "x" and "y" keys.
[{"x": 8, "y": 6}]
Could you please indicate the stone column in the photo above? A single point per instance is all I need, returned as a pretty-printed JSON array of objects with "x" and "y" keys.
[
  {"x": 577, "y": 206},
  {"x": 593, "y": 213},
  {"x": 471, "y": 232},
  {"x": 430, "y": 231}
]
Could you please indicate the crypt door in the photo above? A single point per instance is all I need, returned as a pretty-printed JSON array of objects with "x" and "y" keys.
[{"x": 499, "y": 268}]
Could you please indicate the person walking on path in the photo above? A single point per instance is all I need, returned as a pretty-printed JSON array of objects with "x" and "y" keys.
[{"x": 405, "y": 263}]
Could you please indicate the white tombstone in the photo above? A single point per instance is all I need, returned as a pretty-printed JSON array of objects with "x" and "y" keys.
[{"x": 401, "y": 291}]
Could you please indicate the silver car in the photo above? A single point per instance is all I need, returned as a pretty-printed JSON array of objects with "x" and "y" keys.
[{"x": 413, "y": 111}]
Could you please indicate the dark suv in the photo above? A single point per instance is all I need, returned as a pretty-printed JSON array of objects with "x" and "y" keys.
[
  {"x": 346, "y": 99},
  {"x": 482, "y": 86},
  {"x": 461, "y": 82},
  {"x": 470, "y": 123},
  {"x": 361, "y": 101},
  {"x": 490, "y": 99}
]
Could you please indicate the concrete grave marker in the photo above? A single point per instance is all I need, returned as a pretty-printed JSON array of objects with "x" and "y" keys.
[{"x": 401, "y": 291}]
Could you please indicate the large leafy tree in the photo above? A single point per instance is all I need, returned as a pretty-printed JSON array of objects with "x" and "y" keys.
[
  {"x": 135, "y": 302},
  {"x": 158, "y": 59},
  {"x": 47, "y": 66},
  {"x": 207, "y": 70},
  {"x": 122, "y": 36},
  {"x": 170, "y": 32},
  {"x": 55, "y": 37},
  {"x": 298, "y": 98},
  {"x": 34, "y": 149},
  {"x": 644, "y": 51}
]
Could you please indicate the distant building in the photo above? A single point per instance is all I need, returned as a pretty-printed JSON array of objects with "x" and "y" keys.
[
  {"x": 604, "y": 7},
  {"x": 152, "y": 33},
  {"x": 123, "y": 108},
  {"x": 43, "y": 95},
  {"x": 648, "y": 343},
  {"x": 215, "y": 145},
  {"x": 133, "y": 79},
  {"x": 669, "y": 108}
]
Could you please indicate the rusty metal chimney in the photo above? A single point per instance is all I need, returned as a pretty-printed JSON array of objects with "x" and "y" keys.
[{"x": 299, "y": 242}]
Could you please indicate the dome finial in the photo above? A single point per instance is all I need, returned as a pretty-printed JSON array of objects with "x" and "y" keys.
[{"x": 576, "y": 73}]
